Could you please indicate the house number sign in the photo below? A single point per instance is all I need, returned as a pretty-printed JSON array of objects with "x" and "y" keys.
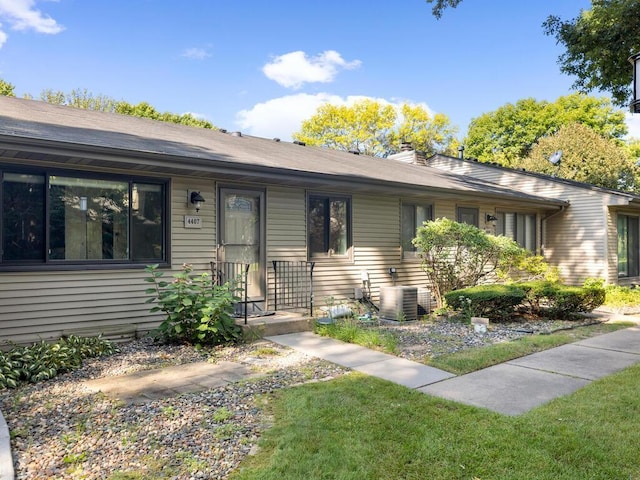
[{"x": 192, "y": 222}]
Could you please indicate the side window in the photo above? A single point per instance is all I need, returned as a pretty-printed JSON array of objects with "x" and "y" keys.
[
  {"x": 468, "y": 215},
  {"x": 412, "y": 217},
  {"x": 329, "y": 226},
  {"x": 521, "y": 227},
  {"x": 628, "y": 246},
  {"x": 76, "y": 218}
]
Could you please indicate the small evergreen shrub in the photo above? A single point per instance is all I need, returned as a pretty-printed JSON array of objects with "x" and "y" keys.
[
  {"x": 496, "y": 302},
  {"x": 562, "y": 301},
  {"x": 198, "y": 311},
  {"x": 43, "y": 361}
]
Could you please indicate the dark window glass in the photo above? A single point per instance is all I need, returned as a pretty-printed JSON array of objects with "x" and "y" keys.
[
  {"x": 89, "y": 219},
  {"x": 23, "y": 226},
  {"x": 413, "y": 216},
  {"x": 147, "y": 222},
  {"x": 328, "y": 225},
  {"x": 468, "y": 215},
  {"x": 628, "y": 246}
]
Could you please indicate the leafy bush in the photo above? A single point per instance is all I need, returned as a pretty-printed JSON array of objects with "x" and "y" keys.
[
  {"x": 198, "y": 311},
  {"x": 42, "y": 361},
  {"x": 622, "y": 298},
  {"x": 561, "y": 301},
  {"x": 496, "y": 302},
  {"x": 457, "y": 255}
]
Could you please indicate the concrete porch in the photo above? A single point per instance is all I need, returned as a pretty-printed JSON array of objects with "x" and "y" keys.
[{"x": 279, "y": 323}]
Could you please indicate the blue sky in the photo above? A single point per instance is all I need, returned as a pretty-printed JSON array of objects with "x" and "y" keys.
[{"x": 261, "y": 67}]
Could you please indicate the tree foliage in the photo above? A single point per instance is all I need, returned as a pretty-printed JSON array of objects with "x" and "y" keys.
[
  {"x": 586, "y": 157},
  {"x": 372, "y": 128},
  {"x": 440, "y": 6},
  {"x": 7, "y": 89},
  {"x": 457, "y": 255},
  {"x": 82, "y": 98},
  {"x": 598, "y": 43},
  {"x": 508, "y": 134}
]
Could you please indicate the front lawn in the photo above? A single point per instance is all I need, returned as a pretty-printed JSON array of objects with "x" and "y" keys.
[{"x": 359, "y": 427}]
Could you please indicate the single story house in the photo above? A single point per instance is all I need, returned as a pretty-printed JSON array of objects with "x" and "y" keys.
[
  {"x": 596, "y": 235},
  {"x": 88, "y": 199}
]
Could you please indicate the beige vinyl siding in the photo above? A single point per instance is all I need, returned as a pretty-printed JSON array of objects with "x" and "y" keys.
[
  {"x": 612, "y": 246},
  {"x": 574, "y": 240},
  {"x": 194, "y": 246},
  {"x": 286, "y": 230},
  {"x": 48, "y": 304}
]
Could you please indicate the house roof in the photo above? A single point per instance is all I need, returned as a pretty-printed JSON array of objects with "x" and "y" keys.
[
  {"x": 66, "y": 136},
  {"x": 630, "y": 197}
]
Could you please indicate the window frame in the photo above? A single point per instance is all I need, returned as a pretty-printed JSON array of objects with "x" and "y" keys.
[
  {"x": 460, "y": 210},
  {"x": 501, "y": 214},
  {"x": 412, "y": 254},
  {"x": 329, "y": 255},
  {"x": 632, "y": 245},
  {"x": 87, "y": 264}
]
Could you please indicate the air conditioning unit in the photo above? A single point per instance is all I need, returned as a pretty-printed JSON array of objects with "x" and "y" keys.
[
  {"x": 399, "y": 303},
  {"x": 424, "y": 301}
]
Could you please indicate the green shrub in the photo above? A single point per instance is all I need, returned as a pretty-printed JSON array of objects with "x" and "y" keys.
[
  {"x": 620, "y": 297},
  {"x": 198, "y": 311},
  {"x": 42, "y": 361},
  {"x": 496, "y": 302},
  {"x": 561, "y": 301}
]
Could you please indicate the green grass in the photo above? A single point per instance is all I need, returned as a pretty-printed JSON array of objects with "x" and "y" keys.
[
  {"x": 473, "y": 359},
  {"x": 359, "y": 427},
  {"x": 351, "y": 331}
]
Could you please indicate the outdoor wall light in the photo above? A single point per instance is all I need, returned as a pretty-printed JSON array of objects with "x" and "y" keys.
[
  {"x": 83, "y": 204},
  {"x": 635, "y": 104},
  {"x": 490, "y": 218},
  {"x": 196, "y": 200}
]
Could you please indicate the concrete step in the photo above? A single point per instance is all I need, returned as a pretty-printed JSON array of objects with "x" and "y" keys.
[{"x": 278, "y": 324}]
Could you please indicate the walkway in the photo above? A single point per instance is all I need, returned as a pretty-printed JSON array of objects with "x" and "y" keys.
[{"x": 510, "y": 388}]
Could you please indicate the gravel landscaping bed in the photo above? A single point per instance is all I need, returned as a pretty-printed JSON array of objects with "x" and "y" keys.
[{"x": 59, "y": 429}]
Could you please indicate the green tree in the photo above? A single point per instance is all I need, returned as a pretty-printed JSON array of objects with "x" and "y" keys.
[
  {"x": 7, "y": 89},
  {"x": 598, "y": 43},
  {"x": 426, "y": 133},
  {"x": 440, "y": 5},
  {"x": 508, "y": 134},
  {"x": 84, "y": 99},
  {"x": 79, "y": 99},
  {"x": 363, "y": 127},
  {"x": 372, "y": 128},
  {"x": 586, "y": 157},
  {"x": 457, "y": 255}
]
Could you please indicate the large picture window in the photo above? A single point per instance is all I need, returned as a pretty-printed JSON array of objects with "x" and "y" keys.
[
  {"x": 521, "y": 227},
  {"x": 329, "y": 226},
  {"x": 64, "y": 218},
  {"x": 628, "y": 246},
  {"x": 413, "y": 216}
]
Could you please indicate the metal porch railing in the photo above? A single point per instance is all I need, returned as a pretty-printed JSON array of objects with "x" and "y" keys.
[
  {"x": 235, "y": 273},
  {"x": 293, "y": 285}
]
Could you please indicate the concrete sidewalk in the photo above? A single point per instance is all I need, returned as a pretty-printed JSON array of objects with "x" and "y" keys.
[{"x": 511, "y": 388}]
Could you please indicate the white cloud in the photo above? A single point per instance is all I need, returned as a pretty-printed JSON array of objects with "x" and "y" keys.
[
  {"x": 195, "y": 53},
  {"x": 22, "y": 15},
  {"x": 294, "y": 69},
  {"x": 281, "y": 117}
]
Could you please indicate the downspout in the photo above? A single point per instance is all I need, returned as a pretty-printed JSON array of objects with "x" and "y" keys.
[{"x": 543, "y": 223}]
